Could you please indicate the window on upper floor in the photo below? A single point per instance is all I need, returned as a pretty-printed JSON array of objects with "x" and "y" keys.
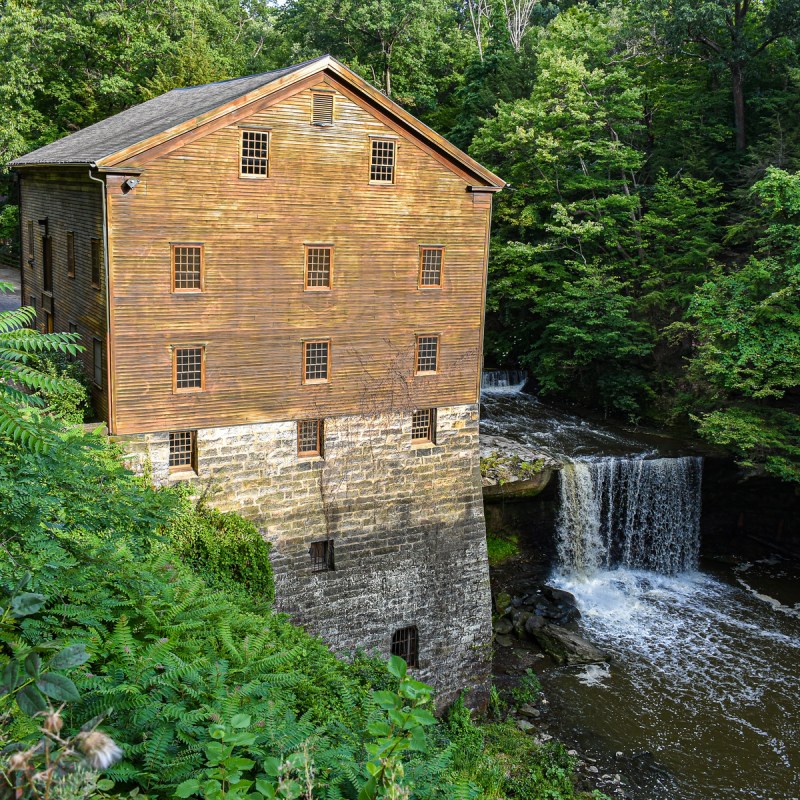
[
  {"x": 70, "y": 254},
  {"x": 319, "y": 267},
  {"x": 97, "y": 262},
  {"x": 188, "y": 369},
  {"x": 405, "y": 643},
  {"x": 254, "y": 146},
  {"x": 322, "y": 108},
  {"x": 316, "y": 361},
  {"x": 187, "y": 268},
  {"x": 423, "y": 425},
  {"x": 427, "y": 355},
  {"x": 431, "y": 261},
  {"x": 310, "y": 437},
  {"x": 183, "y": 451},
  {"x": 382, "y": 162}
]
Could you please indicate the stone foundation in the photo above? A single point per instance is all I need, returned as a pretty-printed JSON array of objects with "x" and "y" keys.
[{"x": 406, "y": 522}]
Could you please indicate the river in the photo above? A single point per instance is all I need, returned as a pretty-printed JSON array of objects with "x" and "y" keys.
[{"x": 701, "y": 697}]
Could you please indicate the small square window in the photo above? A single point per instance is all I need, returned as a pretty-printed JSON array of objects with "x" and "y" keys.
[
  {"x": 430, "y": 267},
  {"x": 316, "y": 362},
  {"x": 382, "y": 164},
  {"x": 319, "y": 267},
  {"x": 423, "y": 425},
  {"x": 427, "y": 360},
  {"x": 255, "y": 154},
  {"x": 310, "y": 437},
  {"x": 187, "y": 268},
  {"x": 183, "y": 451},
  {"x": 322, "y": 108},
  {"x": 405, "y": 643},
  {"x": 97, "y": 262},
  {"x": 189, "y": 369},
  {"x": 321, "y": 556},
  {"x": 97, "y": 359},
  {"x": 70, "y": 254}
]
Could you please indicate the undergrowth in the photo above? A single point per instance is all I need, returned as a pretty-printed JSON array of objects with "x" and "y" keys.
[
  {"x": 501, "y": 548},
  {"x": 170, "y": 603}
]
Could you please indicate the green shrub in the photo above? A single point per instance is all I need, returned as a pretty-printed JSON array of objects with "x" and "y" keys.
[
  {"x": 500, "y": 549},
  {"x": 528, "y": 690},
  {"x": 72, "y": 402},
  {"x": 171, "y": 655},
  {"x": 225, "y": 549}
]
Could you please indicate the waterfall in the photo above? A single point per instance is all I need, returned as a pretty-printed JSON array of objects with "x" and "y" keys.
[
  {"x": 503, "y": 380},
  {"x": 631, "y": 512}
]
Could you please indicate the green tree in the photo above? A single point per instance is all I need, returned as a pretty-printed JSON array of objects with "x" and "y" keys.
[
  {"x": 747, "y": 324},
  {"x": 728, "y": 34},
  {"x": 407, "y": 49},
  {"x": 568, "y": 237}
]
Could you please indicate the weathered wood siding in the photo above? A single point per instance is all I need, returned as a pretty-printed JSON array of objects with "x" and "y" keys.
[
  {"x": 254, "y": 312},
  {"x": 71, "y": 202}
]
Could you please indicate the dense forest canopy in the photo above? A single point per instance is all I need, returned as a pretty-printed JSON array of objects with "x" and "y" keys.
[{"x": 646, "y": 255}]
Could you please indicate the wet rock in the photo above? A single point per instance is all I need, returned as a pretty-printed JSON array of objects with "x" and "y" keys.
[
  {"x": 565, "y": 646},
  {"x": 559, "y": 595},
  {"x": 529, "y": 711},
  {"x": 504, "y": 641},
  {"x": 503, "y": 626},
  {"x": 524, "y": 725},
  {"x": 593, "y": 770},
  {"x": 572, "y": 752},
  {"x": 502, "y": 601},
  {"x": 533, "y": 624},
  {"x": 519, "y": 619}
]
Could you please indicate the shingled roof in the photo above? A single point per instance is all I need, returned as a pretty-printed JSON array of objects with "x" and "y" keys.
[
  {"x": 125, "y": 137},
  {"x": 147, "y": 119}
]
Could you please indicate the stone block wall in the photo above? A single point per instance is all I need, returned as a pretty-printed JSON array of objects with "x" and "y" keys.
[{"x": 406, "y": 522}]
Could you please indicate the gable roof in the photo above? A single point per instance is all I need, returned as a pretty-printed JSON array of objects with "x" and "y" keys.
[
  {"x": 140, "y": 122},
  {"x": 180, "y": 110}
]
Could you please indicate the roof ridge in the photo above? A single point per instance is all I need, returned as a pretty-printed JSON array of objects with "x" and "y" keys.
[{"x": 284, "y": 70}]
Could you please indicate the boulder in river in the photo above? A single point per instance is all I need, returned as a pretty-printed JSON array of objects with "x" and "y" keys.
[{"x": 562, "y": 645}]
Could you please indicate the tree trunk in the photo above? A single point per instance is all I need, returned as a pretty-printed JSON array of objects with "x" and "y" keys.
[
  {"x": 387, "y": 69},
  {"x": 738, "y": 105}
]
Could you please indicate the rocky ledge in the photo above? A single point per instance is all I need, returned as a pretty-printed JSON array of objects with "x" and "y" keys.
[
  {"x": 511, "y": 471},
  {"x": 542, "y": 614}
]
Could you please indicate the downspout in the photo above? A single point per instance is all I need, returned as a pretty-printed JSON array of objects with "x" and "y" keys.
[{"x": 109, "y": 372}]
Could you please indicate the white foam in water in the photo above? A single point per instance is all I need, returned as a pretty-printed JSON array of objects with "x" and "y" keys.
[
  {"x": 594, "y": 674},
  {"x": 498, "y": 381},
  {"x": 709, "y": 671}
]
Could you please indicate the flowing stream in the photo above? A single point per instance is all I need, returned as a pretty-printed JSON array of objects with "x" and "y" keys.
[{"x": 701, "y": 697}]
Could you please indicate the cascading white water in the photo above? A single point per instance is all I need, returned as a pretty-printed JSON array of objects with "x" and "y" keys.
[
  {"x": 703, "y": 673},
  {"x": 503, "y": 380},
  {"x": 630, "y": 512}
]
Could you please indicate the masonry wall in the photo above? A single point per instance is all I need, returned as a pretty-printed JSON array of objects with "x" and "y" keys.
[{"x": 406, "y": 522}]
